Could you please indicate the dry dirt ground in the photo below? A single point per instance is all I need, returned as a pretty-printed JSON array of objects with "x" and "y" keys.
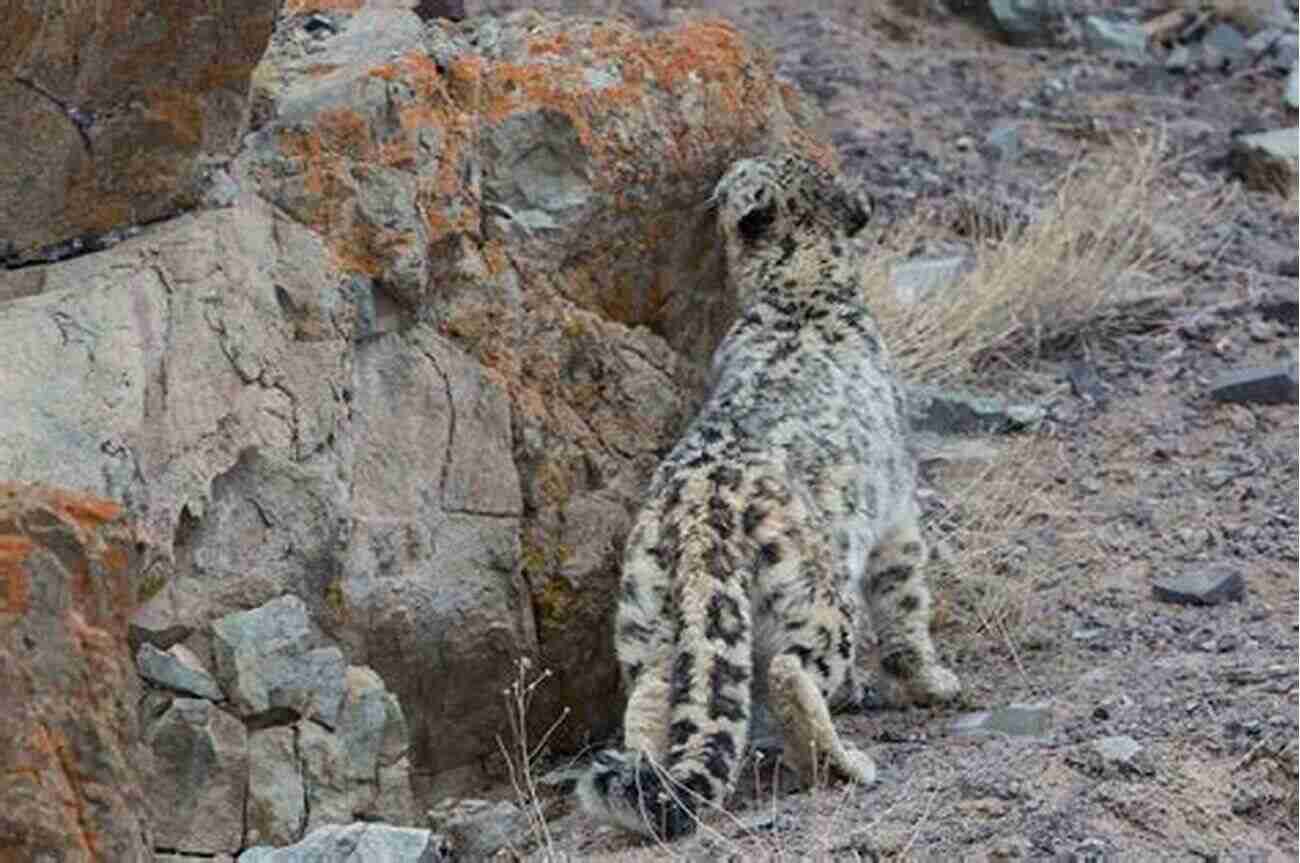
[{"x": 1135, "y": 476}]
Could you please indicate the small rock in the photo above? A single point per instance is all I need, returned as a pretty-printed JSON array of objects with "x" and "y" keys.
[
  {"x": 478, "y": 829},
  {"x": 1259, "y": 331},
  {"x": 1085, "y": 383},
  {"x": 1227, "y": 43},
  {"x": 177, "y": 669},
  {"x": 1282, "y": 308},
  {"x": 1262, "y": 42},
  {"x": 1090, "y": 485},
  {"x": 1274, "y": 385},
  {"x": 1016, "y": 720},
  {"x": 1266, "y": 161},
  {"x": 1090, "y": 851},
  {"x": 1121, "y": 748},
  {"x": 1002, "y": 144},
  {"x": 1283, "y": 54},
  {"x": 1123, "y": 37},
  {"x": 1291, "y": 90},
  {"x": 1179, "y": 59},
  {"x": 429, "y": 10},
  {"x": 1028, "y": 22},
  {"x": 1209, "y": 587},
  {"x": 945, "y": 411},
  {"x": 355, "y": 843},
  {"x": 266, "y": 661},
  {"x": 921, "y": 278},
  {"x": 219, "y": 189}
]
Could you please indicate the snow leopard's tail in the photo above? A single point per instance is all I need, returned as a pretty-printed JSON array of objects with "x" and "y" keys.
[{"x": 707, "y": 687}]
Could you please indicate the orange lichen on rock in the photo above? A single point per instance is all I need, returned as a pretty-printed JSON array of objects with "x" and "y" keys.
[
  {"x": 15, "y": 588},
  {"x": 87, "y": 511}
]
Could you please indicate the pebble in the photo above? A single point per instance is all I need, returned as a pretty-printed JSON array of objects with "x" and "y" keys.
[
  {"x": 1267, "y": 385},
  {"x": 1002, "y": 144},
  {"x": 1016, "y": 720},
  {"x": 1206, "y": 587}
]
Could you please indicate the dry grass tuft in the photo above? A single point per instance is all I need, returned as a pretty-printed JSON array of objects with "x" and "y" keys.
[
  {"x": 1093, "y": 262},
  {"x": 985, "y": 570}
]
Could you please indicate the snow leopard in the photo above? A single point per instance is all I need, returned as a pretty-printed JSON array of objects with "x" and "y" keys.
[{"x": 785, "y": 512}]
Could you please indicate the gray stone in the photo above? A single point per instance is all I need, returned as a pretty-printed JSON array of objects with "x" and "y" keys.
[
  {"x": 1116, "y": 756},
  {"x": 921, "y": 278},
  {"x": 1016, "y": 720},
  {"x": 932, "y": 447},
  {"x": 1284, "y": 52},
  {"x": 1179, "y": 59},
  {"x": 354, "y": 843},
  {"x": 478, "y": 829},
  {"x": 1227, "y": 43},
  {"x": 1117, "y": 748},
  {"x": 372, "y": 733},
  {"x": 946, "y": 411},
  {"x": 201, "y": 759},
  {"x": 193, "y": 858},
  {"x": 1207, "y": 587},
  {"x": 1275, "y": 385},
  {"x": 177, "y": 669},
  {"x": 1291, "y": 89},
  {"x": 329, "y": 794},
  {"x": 1278, "y": 307},
  {"x": 1090, "y": 851},
  {"x": 1026, "y": 22},
  {"x": 276, "y": 809},
  {"x": 1262, "y": 41},
  {"x": 1267, "y": 160},
  {"x": 266, "y": 661},
  {"x": 1002, "y": 143},
  {"x": 1122, "y": 37}
]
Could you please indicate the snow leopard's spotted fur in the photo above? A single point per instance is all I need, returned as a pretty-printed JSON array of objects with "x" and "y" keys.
[{"x": 787, "y": 504}]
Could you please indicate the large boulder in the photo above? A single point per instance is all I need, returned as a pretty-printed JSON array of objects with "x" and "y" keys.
[
  {"x": 111, "y": 112},
  {"x": 71, "y": 763},
  {"x": 418, "y": 367}
]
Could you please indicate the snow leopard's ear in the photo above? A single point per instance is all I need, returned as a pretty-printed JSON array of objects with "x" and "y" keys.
[{"x": 852, "y": 208}]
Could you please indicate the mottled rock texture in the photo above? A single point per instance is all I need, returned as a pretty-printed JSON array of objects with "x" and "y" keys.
[
  {"x": 111, "y": 110},
  {"x": 70, "y": 761}
]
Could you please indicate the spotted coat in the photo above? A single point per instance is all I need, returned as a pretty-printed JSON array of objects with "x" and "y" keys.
[{"x": 787, "y": 506}]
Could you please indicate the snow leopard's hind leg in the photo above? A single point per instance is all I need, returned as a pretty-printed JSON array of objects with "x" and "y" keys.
[{"x": 898, "y": 599}]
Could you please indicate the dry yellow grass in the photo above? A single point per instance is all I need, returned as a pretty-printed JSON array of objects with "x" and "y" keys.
[
  {"x": 1094, "y": 261},
  {"x": 985, "y": 572}
]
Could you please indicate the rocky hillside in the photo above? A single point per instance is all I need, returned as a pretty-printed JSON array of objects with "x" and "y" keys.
[{"x": 339, "y": 339}]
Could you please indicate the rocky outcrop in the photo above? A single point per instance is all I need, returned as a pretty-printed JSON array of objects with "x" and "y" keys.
[
  {"x": 71, "y": 764},
  {"x": 292, "y": 740},
  {"x": 111, "y": 113},
  {"x": 413, "y": 372}
]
